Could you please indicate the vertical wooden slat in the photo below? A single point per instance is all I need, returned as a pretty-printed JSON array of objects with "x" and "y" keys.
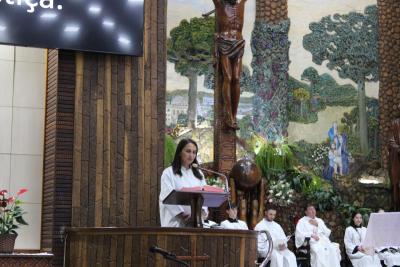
[
  {"x": 127, "y": 251},
  {"x": 113, "y": 145},
  {"x": 127, "y": 139},
  {"x": 92, "y": 155},
  {"x": 141, "y": 148},
  {"x": 99, "y": 143},
  {"x": 77, "y": 159},
  {"x": 106, "y": 192},
  {"x": 242, "y": 251},
  {"x": 134, "y": 192}
]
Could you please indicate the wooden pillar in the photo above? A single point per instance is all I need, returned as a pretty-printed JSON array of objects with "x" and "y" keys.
[
  {"x": 58, "y": 146},
  {"x": 389, "y": 70}
]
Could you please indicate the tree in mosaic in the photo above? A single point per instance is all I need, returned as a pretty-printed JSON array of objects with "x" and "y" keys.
[
  {"x": 190, "y": 48},
  {"x": 348, "y": 43}
]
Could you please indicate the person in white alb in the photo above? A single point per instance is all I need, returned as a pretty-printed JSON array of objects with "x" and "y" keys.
[
  {"x": 324, "y": 253},
  {"x": 207, "y": 223},
  {"x": 232, "y": 222},
  {"x": 353, "y": 237},
  {"x": 180, "y": 174},
  {"x": 281, "y": 255}
]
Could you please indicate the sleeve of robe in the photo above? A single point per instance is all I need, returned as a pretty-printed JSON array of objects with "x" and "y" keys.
[
  {"x": 244, "y": 225},
  {"x": 325, "y": 230},
  {"x": 261, "y": 241},
  {"x": 281, "y": 235},
  {"x": 167, "y": 185},
  {"x": 301, "y": 233},
  {"x": 348, "y": 241}
]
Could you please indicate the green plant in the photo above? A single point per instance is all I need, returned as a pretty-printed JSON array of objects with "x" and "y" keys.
[
  {"x": 347, "y": 210},
  {"x": 169, "y": 150},
  {"x": 324, "y": 199},
  {"x": 274, "y": 158},
  {"x": 315, "y": 156},
  {"x": 11, "y": 212}
]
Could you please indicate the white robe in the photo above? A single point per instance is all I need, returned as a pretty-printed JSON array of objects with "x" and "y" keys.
[
  {"x": 324, "y": 253},
  {"x": 240, "y": 225},
  {"x": 353, "y": 238},
  {"x": 279, "y": 258},
  {"x": 169, "y": 182},
  {"x": 209, "y": 224}
]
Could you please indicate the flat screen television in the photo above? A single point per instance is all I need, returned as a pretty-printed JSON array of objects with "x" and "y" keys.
[{"x": 108, "y": 26}]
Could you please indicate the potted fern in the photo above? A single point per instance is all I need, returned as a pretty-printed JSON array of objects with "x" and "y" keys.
[{"x": 11, "y": 218}]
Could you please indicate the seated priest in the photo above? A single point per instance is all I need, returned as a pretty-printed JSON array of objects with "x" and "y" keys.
[
  {"x": 281, "y": 255},
  {"x": 206, "y": 222},
  {"x": 324, "y": 253},
  {"x": 353, "y": 237},
  {"x": 232, "y": 222}
]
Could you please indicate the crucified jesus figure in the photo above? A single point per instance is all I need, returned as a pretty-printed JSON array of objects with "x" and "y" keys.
[{"x": 229, "y": 46}]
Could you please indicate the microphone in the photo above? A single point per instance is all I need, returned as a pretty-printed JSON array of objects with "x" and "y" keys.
[
  {"x": 155, "y": 249},
  {"x": 197, "y": 166}
]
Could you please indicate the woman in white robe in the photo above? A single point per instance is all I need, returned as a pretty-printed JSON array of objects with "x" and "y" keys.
[
  {"x": 353, "y": 238},
  {"x": 179, "y": 175}
]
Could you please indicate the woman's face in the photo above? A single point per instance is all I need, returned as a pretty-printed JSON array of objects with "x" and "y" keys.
[
  {"x": 188, "y": 154},
  {"x": 357, "y": 219}
]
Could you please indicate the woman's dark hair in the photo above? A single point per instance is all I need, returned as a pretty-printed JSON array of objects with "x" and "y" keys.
[
  {"x": 352, "y": 224},
  {"x": 177, "y": 164}
]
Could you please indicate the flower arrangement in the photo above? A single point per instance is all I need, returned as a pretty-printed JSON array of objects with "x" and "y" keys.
[
  {"x": 11, "y": 212},
  {"x": 280, "y": 193},
  {"x": 215, "y": 181}
]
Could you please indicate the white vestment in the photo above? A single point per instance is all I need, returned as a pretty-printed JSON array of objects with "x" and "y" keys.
[
  {"x": 279, "y": 258},
  {"x": 324, "y": 253},
  {"x": 353, "y": 237},
  {"x": 169, "y": 182},
  {"x": 209, "y": 224},
  {"x": 239, "y": 225}
]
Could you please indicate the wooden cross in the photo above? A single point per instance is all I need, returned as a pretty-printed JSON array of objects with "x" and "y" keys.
[{"x": 193, "y": 258}]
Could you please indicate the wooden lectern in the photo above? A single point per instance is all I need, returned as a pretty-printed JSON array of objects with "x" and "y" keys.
[{"x": 196, "y": 199}]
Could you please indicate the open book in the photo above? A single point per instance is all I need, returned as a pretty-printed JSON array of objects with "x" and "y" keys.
[{"x": 205, "y": 188}]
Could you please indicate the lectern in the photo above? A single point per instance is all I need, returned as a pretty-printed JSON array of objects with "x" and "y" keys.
[{"x": 196, "y": 199}]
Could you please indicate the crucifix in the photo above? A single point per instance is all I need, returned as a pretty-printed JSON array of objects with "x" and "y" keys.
[{"x": 229, "y": 48}]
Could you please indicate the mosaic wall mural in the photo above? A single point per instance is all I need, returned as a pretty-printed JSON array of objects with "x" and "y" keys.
[{"x": 310, "y": 80}]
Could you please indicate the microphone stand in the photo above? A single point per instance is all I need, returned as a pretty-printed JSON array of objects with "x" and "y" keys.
[
  {"x": 219, "y": 174},
  {"x": 170, "y": 256}
]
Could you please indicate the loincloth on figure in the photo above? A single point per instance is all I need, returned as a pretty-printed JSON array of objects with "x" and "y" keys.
[{"x": 229, "y": 47}]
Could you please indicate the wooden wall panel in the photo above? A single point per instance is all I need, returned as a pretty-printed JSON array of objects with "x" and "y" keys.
[
  {"x": 118, "y": 135},
  {"x": 130, "y": 247},
  {"x": 104, "y": 137}
]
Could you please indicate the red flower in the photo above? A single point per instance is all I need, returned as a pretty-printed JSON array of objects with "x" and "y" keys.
[
  {"x": 10, "y": 200},
  {"x": 3, "y": 192},
  {"x": 3, "y": 204},
  {"x": 21, "y": 191}
]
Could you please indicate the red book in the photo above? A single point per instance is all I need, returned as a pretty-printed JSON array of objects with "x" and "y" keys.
[{"x": 205, "y": 188}]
